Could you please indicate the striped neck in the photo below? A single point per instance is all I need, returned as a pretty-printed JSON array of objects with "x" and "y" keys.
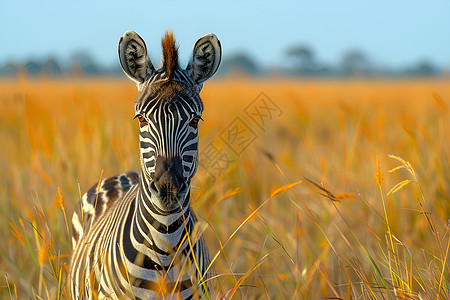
[{"x": 165, "y": 231}]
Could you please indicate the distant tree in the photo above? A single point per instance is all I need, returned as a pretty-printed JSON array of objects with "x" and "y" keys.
[
  {"x": 355, "y": 62},
  {"x": 114, "y": 70},
  {"x": 422, "y": 69},
  {"x": 426, "y": 68},
  {"x": 301, "y": 60},
  {"x": 33, "y": 68},
  {"x": 301, "y": 55},
  {"x": 9, "y": 70},
  {"x": 51, "y": 67},
  {"x": 239, "y": 62},
  {"x": 84, "y": 63}
]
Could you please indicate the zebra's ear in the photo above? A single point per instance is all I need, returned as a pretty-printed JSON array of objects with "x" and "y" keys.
[
  {"x": 205, "y": 59},
  {"x": 133, "y": 57}
]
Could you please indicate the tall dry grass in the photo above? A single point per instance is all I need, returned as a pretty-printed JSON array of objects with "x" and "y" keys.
[{"x": 307, "y": 210}]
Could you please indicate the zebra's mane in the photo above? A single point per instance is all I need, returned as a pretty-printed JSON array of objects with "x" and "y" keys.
[{"x": 170, "y": 54}]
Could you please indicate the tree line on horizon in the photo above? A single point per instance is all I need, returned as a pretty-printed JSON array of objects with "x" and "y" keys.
[{"x": 299, "y": 61}]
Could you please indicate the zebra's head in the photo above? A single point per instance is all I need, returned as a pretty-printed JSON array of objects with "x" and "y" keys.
[{"x": 169, "y": 109}]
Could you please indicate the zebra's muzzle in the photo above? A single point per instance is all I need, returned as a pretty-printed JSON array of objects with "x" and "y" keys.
[
  {"x": 168, "y": 187},
  {"x": 168, "y": 198}
]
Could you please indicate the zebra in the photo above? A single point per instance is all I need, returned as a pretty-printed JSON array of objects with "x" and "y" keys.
[{"x": 134, "y": 235}]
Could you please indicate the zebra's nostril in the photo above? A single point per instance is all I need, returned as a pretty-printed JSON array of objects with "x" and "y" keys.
[{"x": 154, "y": 189}]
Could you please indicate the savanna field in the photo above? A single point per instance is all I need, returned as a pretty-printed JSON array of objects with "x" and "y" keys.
[{"x": 307, "y": 189}]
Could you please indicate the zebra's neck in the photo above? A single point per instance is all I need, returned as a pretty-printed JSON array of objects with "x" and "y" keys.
[{"x": 164, "y": 231}]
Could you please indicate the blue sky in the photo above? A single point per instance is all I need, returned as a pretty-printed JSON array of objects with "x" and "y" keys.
[{"x": 392, "y": 32}]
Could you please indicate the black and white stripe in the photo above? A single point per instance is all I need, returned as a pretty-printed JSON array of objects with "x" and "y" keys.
[{"x": 133, "y": 235}]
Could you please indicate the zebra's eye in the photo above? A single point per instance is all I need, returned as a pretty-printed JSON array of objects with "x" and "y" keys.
[
  {"x": 195, "y": 120},
  {"x": 140, "y": 118}
]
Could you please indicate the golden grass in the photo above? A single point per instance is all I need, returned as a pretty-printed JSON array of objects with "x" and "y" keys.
[{"x": 307, "y": 209}]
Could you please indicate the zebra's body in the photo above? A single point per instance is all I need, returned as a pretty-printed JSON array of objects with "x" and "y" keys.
[{"x": 133, "y": 235}]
